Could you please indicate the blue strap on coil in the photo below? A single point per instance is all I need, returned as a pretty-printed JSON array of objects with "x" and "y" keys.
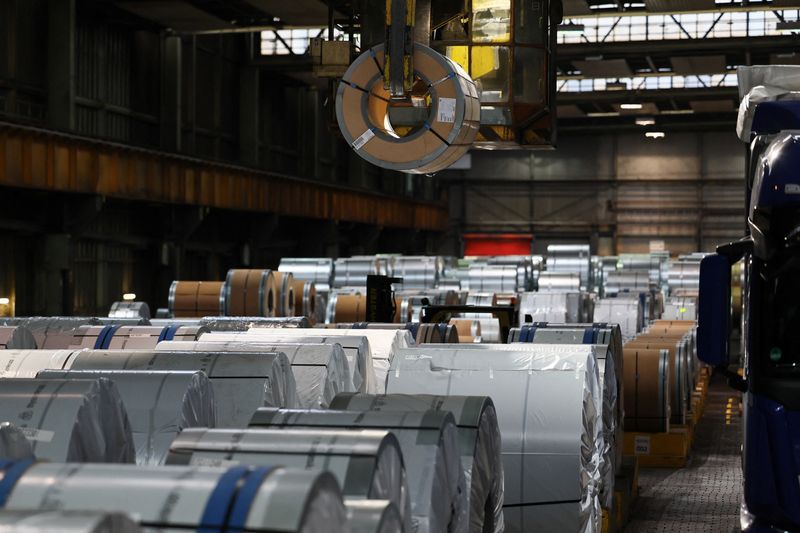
[
  {"x": 237, "y": 520},
  {"x": 442, "y": 331},
  {"x": 588, "y": 333},
  {"x": 104, "y": 339},
  {"x": 12, "y": 471},
  {"x": 169, "y": 333},
  {"x": 413, "y": 327},
  {"x": 219, "y": 503}
]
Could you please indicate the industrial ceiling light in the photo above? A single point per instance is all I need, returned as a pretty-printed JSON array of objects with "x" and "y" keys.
[
  {"x": 571, "y": 27},
  {"x": 678, "y": 112},
  {"x": 645, "y": 121},
  {"x": 630, "y": 106},
  {"x": 129, "y": 296},
  {"x": 655, "y": 134},
  {"x": 603, "y": 114},
  {"x": 5, "y": 301}
]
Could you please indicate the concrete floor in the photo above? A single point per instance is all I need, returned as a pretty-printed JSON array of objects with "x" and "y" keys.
[{"x": 706, "y": 494}]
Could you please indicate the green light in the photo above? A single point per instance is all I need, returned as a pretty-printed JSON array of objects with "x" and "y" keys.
[{"x": 775, "y": 354}]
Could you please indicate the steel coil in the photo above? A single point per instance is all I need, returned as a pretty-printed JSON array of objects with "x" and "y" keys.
[
  {"x": 418, "y": 272},
  {"x": 317, "y": 270},
  {"x": 571, "y": 258},
  {"x": 66, "y": 521},
  {"x": 131, "y": 337},
  {"x": 16, "y": 338},
  {"x": 195, "y": 299},
  {"x": 13, "y": 443},
  {"x": 250, "y": 292},
  {"x": 52, "y": 333},
  {"x": 647, "y": 396},
  {"x": 373, "y": 516}
]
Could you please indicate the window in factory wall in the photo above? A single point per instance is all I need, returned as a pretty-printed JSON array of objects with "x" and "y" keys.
[
  {"x": 491, "y": 21},
  {"x": 294, "y": 41}
]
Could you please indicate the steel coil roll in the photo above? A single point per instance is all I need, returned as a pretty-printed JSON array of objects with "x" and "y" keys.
[
  {"x": 321, "y": 371},
  {"x": 608, "y": 339},
  {"x": 51, "y": 333},
  {"x": 13, "y": 443},
  {"x": 559, "y": 281},
  {"x": 356, "y": 349},
  {"x": 285, "y": 282},
  {"x": 131, "y": 337},
  {"x": 488, "y": 278},
  {"x": 346, "y": 306},
  {"x": 305, "y": 298},
  {"x": 556, "y": 307},
  {"x": 680, "y": 308},
  {"x": 373, "y": 516},
  {"x": 678, "y": 372},
  {"x": 549, "y": 412},
  {"x": 16, "y": 338},
  {"x": 195, "y": 299},
  {"x": 633, "y": 281},
  {"x": 430, "y": 453},
  {"x": 178, "y": 498},
  {"x": 252, "y": 292},
  {"x": 684, "y": 278},
  {"x": 28, "y": 363},
  {"x": 469, "y": 330},
  {"x": 647, "y": 385},
  {"x": 418, "y": 272},
  {"x": 575, "y": 258},
  {"x": 83, "y": 421},
  {"x": 243, "y": 323},
  {"x": 525, "y": 269},
  {"x": 611, "y": 407},
  {"x": 437, "y": 334},
  {"x": 368, "y": 464},
  {"x": 353, "y": 271},
  {"x": 318, "y": 270},
  {"x": 383, "y": 344},
  {"x": 654, "y": 264},
  {"x": 479, "y": 442},
  {"x": 627, "y": 312},
  {"x": 242, "y": 382},
  {"x": 36, "y": 521},
  {"x": 125, "y": 309},
  {"x": 159, "y": 405},
  {"x": 363, "y": 113}
]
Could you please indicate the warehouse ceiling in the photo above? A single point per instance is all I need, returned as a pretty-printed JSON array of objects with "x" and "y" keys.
[{"x": 589, "y": 7}]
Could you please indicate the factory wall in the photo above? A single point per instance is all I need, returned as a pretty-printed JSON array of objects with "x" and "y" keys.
[{"x": 617, "y": 192}]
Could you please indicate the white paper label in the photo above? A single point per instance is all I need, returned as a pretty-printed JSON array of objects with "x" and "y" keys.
[
  {"x": 39, "y": 435},
  {"x": 364, "y": 139},
  {"x": 210, "y": 461},
  {"x": 641, "y": 445},
  {"x": 447, "y": 110}
]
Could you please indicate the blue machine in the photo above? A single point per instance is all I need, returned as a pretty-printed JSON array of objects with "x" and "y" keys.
[{"x": 771, "y": 321}]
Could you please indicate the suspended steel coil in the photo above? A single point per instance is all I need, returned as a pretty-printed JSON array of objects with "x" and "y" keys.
[{"x": 363, "y": 111}]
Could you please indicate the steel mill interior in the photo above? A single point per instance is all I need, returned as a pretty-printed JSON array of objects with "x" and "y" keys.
[{"x": 399, "y": 266}]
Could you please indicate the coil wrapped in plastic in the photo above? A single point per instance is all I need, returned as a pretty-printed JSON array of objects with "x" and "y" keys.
[
  {"x": 13, "y": 443},
  {"x": 51, "y": 333},
  {"x": 430, "y": 451},
  {"x": 373, "y": 516},
  {"x": 35, "y": 521},
  {"x": 159, "y": 405},
  {"x": 131, "y": 337},
  {"x": 16, "y": 338}
]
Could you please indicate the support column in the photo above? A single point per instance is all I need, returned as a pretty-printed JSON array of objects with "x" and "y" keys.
[
  {"x": 248, "y": 115},
  {"x": 171, "y": 93},
  {"x": 61, "y": 64}
]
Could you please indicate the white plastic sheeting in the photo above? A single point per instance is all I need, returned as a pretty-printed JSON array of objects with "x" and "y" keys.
[
  {"x": 549, "y": 409},
  {"x": 242, "y": 382},
  {"x": 68, "y": 420},
  {"x": 478, "y": 439},
  {"x": 13, "y": 443},
  {"x": 368, "y": 464},
  {"x": 16, "y": 338},
  {"x": 373, "y": 516},
  {"x": 66, "y": 522},
  {"x": 198, "y": 498},
  {"x": 159, "y": 405},
  {"x": 430, "y": 451},
  {"x": 764, "y": 84},
  {"x": 627, "y": 312},
  {"x": 550, "y": 307},
  {"x": 356, "y": 348},
  {"x": 321, "y": 371}
]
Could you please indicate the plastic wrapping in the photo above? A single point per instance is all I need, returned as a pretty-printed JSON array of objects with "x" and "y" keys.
[
  {"x": 763, "y": 83},
  {"x": 13, "y": 443},
  {"x": 159, "y": 405},
  {"x": 356, "y": 349},
  {"x": 368, "y": 464},
  {"x": 132, "y": 337},
  {"x": 373, "y": 516},
  {"x": 478, "y": 439},
  {"x": 16, "y": 338},
  {"x": 51, "y": 333},
  {"x": 242, "y": 382},
  {"x": 28, "y": 363},
  {"x": 167, "y": 498},
  {"x": 67, "y": 420},
  {"x": 243, "y": 323},
  {"x": 66, "y": 522},
  {"x": 627, "y": 312},
  {"x": 430, "y": 451},
  {"x": 320, "y": 371},
  {"x": 549, "y": 409}
]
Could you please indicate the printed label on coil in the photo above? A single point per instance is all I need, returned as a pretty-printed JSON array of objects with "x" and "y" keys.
[
  {"x": 210, "y": 461},
  {"x": 364, "y": 139},
  {"x": 39, "y": 435},
  {"x": 641, "y": 445},
  {"x": 446, "y": 111}
]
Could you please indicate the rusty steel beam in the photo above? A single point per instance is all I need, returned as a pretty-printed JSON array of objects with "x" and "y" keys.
[{"x": 42, "y": 159}]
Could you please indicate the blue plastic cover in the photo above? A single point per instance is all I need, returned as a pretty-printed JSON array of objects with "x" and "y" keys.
[{"x": 714, "y": 303}]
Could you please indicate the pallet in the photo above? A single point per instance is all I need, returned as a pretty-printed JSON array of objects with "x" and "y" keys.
[
  {"x": 626, "y": 490},
  {"x": 669, "y": 450}
]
